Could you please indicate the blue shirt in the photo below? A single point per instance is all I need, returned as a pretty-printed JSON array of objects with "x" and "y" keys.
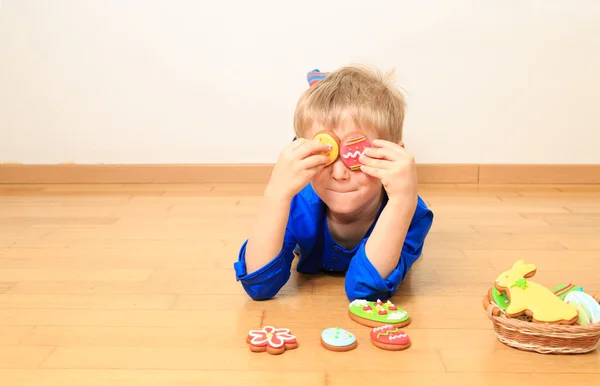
[{"x": 308, "y": 235}]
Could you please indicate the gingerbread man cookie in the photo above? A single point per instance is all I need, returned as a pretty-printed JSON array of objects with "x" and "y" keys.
[
  {"x": 390, "y": 337},
  {"x": 375, "y": 314},
  {"x": 272, "y": 340}
]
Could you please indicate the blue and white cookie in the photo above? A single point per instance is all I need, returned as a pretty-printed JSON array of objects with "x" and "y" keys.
[
  {"x": 338, "y": 339},
  {"x": 588, "y": 307}
]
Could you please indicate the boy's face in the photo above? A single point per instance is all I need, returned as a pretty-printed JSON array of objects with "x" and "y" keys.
[{"x": 345, "y": 192}]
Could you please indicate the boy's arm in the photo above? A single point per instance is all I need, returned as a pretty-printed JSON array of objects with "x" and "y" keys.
[
  {"x": 374, "y": 273},
  {"x": 398, "y": 237},
  {"x": 265, "y": 259},
  {"x": 266, "y": 239},
  {"x": 387, "y": 239}
]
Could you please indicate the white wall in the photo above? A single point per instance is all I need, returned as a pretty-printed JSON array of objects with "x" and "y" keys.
[{"x": 124, "y": 81}]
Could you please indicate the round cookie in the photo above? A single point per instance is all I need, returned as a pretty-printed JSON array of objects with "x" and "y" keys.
[
  {"x": 328, "y": 138},
  {"x": 375, "y": 314},
  {"x": 338, "y": 339},
  {"x": 588, "y": 307},
  {"x": 351, "y": 148},
  {"x": 390, "y": 337}
]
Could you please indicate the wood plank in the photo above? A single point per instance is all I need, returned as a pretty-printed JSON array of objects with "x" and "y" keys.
[
  {"x": 117, "y": 377},
  {"x": 313, "y": 356},
  {"x": 505, "y": 378},
  {"x": 14, "y": 335},
  {"x": 127, "y": 318},
  {"x": 86, "y": 302},
  {"x": 23, "y": 357},
  {"x": 74, "y": 274},
  {"x": 485, "y": 361}
]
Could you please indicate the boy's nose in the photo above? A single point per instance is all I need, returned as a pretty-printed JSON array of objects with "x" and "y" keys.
[{"x": 340, "y": 171}]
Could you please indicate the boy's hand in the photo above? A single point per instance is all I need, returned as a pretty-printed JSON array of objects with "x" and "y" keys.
[
  {"x": 298, "y": 163},
  {"x": 394, "y": 166}
]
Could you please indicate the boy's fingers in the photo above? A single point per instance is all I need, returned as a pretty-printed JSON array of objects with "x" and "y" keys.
[
  {"x": 371, "y": 170},
  {"x": 314, "y": 161},
  {"x": 375, "y": 163},
  {"x": 382, "y": 153},
  {"x": 311, "y": 147}
]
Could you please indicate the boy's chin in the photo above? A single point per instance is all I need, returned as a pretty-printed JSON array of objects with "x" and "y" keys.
[{"x": 343, "y": 203}]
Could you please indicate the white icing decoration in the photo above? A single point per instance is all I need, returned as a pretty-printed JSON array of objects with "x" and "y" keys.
[
  {"x": 350, "y": 154},
  {"x": 396, "y": 315},
  {"x": 392, "y": 337},
  {"x": 359, "y": 303},
  {"x": 381, "y": 328}
]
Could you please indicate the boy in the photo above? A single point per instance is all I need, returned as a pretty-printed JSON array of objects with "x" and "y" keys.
[{"x": 366, "y": 221}]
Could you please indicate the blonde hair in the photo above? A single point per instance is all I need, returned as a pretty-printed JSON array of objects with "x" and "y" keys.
[{"x": 367, "y": 96}]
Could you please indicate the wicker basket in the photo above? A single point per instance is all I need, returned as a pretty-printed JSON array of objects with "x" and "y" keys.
[{"x": 540, "y": 337}]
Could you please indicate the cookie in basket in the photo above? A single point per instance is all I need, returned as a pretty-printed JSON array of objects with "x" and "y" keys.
[
  {"x": 500, "y": 299},
  {"x": 588, "y": 307},
  {"x": 532, "y": 299},
  {"x": 562, "y": 290}
]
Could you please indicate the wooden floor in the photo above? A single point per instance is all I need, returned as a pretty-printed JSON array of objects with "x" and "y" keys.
[{"x": 134, "y": 285}]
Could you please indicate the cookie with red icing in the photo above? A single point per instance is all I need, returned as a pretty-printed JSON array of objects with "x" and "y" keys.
[
  {"x": 351, "y": 148},
  {"x": 272, "y": 340},
  {"x": 390, "y": 337}
]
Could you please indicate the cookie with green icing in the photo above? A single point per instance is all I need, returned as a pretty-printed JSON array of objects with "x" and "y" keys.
[
  {"x": 376, "y": 314},
  {"x": 500, "y": 299},
  {"x": 562, "y": 290}
]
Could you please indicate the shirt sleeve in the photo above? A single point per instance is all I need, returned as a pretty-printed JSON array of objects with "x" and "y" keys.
[
  {"x": 363, "y": 281},
  {"x": 266, "y": 282}
]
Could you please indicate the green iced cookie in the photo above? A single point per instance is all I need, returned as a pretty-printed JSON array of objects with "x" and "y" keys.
[
  {"x": 500, "y": 299},
  {"x": 562, "y": 290},
  {"x": 375, "y": 314}
]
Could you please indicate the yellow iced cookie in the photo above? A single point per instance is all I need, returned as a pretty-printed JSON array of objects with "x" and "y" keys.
[
  {"x": 533, "y": 299},
  {"x": 329, "y": 138}
]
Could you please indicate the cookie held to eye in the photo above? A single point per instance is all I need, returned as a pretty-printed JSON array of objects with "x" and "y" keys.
[
  {"x": 353, "y": 145},
  {"x": 329, "y": 138}
]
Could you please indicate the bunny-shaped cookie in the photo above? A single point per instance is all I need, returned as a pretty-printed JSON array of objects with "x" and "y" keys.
[{"x": 533, "y": 299}]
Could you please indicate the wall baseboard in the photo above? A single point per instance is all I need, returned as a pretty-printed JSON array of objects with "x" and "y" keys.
[{"x": 260, "y": 173}]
